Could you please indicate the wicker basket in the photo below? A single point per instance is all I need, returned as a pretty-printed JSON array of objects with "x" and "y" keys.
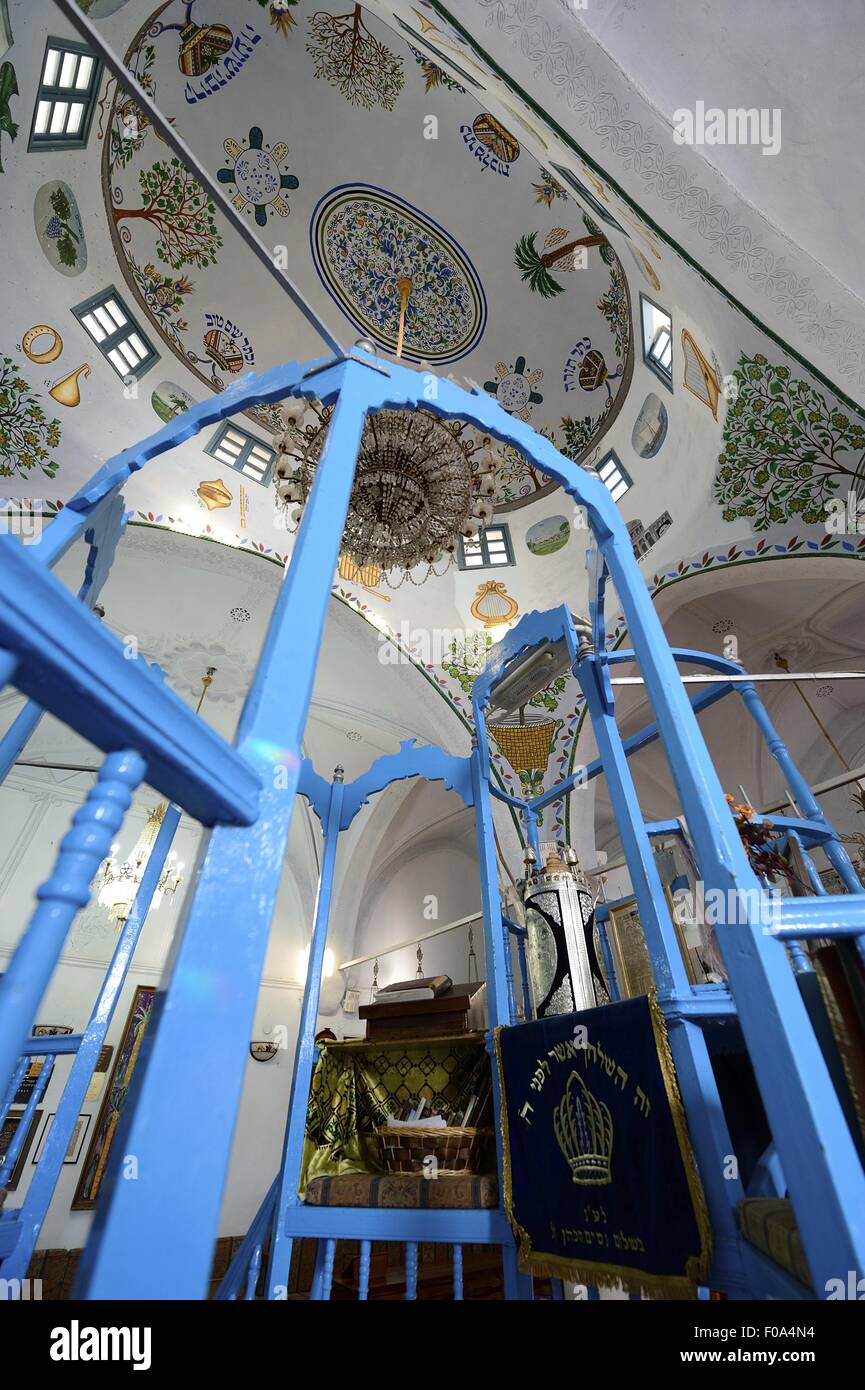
[{"x": 405, "y": 1148}]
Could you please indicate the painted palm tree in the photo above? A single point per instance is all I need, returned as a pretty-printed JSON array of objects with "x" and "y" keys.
[
  {"x": 535, "y": 266},
  {"x": 8, "y": 90}
]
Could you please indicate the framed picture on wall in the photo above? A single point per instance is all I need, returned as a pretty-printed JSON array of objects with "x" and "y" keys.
[
  {"x": 631, "y": 954},
  {"x": 27, "y": 1084},
  {"x": 7, "y": 1134},
  {"x": 76, "y": 1142},
  {"x": 97, "y": 1080},
  {"x": 93, "y": 1171}
]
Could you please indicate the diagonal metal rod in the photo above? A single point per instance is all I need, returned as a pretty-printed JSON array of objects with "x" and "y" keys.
[
  {"x": 744, "y": 679},
  {"x": 88, "y": 31}
]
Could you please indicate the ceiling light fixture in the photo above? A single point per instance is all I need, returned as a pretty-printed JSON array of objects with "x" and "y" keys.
[
  {"x": 118, "y": 883},
  {"x": 420, "y": 483}
]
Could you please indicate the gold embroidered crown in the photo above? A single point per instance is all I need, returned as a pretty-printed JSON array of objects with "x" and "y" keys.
[{"x": 583, "y": 1128}]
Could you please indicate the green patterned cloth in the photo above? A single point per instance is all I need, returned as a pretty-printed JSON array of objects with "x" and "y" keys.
[{"x": 355, "y": 1089}]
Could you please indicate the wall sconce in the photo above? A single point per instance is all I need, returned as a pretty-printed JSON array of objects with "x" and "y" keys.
[{"x": 263, "y": 1051}]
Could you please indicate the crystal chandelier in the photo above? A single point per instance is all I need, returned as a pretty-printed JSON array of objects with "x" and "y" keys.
[
  {"x": 119, "y": 883},
  {"x": 420, "y": 483}
]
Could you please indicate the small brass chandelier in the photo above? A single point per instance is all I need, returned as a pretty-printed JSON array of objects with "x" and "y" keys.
[
  {"x": 118, "y": 883},
  {"x": 420, "y": 483}
]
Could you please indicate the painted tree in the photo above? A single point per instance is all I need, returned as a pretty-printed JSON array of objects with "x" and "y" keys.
[
  {"x": 351, "y": 59},
  {"x": 786, "y": 449},
  {"x": 26, "y": 434},
  {"x": 184, "y": 217},
  {"x": 558, "y": 254},
  {"x": 8, "y": 90}
]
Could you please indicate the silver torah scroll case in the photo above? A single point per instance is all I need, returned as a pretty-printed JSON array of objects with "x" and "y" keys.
[{"x": 558, "y": 907}]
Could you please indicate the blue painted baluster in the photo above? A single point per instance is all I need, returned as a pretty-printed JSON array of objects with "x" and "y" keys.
[
  {"x": 496, "y": 971},
  {"x": 667, "y": 963},
  {"x": 82, "y": 849},
  {"x": 253, "y": 1271},
  {"x": 509, "y": 972},
  {"x": 41, "y": 1188},
  {"x": 524, "y": 977},
  {"x": 799, "y": 961},
  {"x": 322, "y": 1274},
  {"x": 215, "y": 970},
  {"x": 17, "y": 1078},
  {"x": 11, "y": 1157},
  {"x": 532, "y": 832},
  {"x": 458, "y": 1273},
  {"x": 305, "y": 1054},
  {"x": 609, "y": 964},
  {"x": 411, "y": 1270},
  {"x": 808, "y": 804},
  {"x": 363, "y": 1271},
  {"x": 814, "y": 878}
]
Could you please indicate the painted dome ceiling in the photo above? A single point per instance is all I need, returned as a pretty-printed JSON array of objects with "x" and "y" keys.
[{"x": 381, "y": 182}]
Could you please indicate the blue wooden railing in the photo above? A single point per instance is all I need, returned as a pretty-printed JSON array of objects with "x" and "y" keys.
[{"x": 58, "y": 655}]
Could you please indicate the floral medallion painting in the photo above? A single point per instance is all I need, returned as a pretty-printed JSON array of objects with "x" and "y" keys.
[{"x": 382, "y": 260}]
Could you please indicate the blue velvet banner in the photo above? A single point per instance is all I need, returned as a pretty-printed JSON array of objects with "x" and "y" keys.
[{"x": 599, "y": 1177}]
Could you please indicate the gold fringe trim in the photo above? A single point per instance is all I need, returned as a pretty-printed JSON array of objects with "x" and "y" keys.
[
  {"x": 701, "y": 1264},
  {"x": 609, "y": 1276}
]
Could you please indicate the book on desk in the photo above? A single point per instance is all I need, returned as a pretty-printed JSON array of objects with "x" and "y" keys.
[{"x": 397, "y": 1013}]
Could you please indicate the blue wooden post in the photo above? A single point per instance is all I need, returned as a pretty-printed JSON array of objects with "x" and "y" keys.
[
  {"x": 524, "y": 976},
  {"x": 509, "y": 972},
  {"x": 601, "y": 916},
  {"x": 322, "y": 1277},
  {"x": 709, "y": 1130},
  {"x": 458, "y": 1273},
  {"x": 187, "y": 1099},
  {"x": 827, "y": 1184},
  {"x": 41, "y": 1188},
  {"x": 305, "y": 1054},
  {"x": 667, "y": 963},
  {"x": 713, "y": 1148},
  {"x": 363, "y": 1271},
  {"x": 82, "y": 849},
  {"x": 532, "y": 833},
  {"x": 494, "y": 951},
  {"x": 517, "y": 1285},
  {"x": 804, "y": 797},
  {"x": 411, "y": 1270}
]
